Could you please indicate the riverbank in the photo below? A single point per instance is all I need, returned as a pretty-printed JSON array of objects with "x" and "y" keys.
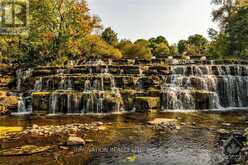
[{"x": 118, "y": 139}]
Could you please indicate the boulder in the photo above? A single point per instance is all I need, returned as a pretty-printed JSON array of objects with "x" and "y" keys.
[
  {"x": 73, "y": 140},
  {"x": 35, "y": 126},
  {"x": 203, "y": 58}
]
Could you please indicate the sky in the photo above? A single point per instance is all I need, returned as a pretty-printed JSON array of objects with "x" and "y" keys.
[{"x": 174, "y": 19}]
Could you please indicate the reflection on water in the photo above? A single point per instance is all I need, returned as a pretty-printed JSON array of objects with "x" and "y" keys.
[
  {"x": 186, "y": 146},
  {"x": 131, "y": 141}
]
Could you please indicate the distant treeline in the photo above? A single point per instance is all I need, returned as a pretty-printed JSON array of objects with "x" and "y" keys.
[{"x": 63, "y": 30}]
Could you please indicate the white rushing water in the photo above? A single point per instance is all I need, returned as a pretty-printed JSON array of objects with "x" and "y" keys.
[{"x": 205, "y": 87}]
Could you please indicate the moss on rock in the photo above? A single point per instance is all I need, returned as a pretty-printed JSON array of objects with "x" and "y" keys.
[{"x": 145, "y": 103}]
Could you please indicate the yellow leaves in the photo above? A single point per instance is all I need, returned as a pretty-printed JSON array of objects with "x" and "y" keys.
[
  {"x": 48, "y": 35},
  {"x": 73, "y": 46},
  {"x": 99, "y": 47},
  {"x": 70, "y": 31},
  {"x": 5, "y": 130}
]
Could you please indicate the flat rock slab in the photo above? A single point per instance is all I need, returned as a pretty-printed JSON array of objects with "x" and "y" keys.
[
  {"x": 162, "y": 121},
  {"x": 73, "y": 140},
  {"x": 24, "y": 150}
]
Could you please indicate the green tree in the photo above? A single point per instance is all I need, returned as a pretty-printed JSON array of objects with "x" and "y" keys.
[
  {"x": 110, "y": 36},
  {"x": 182, "y": 46},
  {"x": 237, "y": 31},
  {"x": 159, "y": 46},
  {"x": 57, "y": 29},
  {"x": 195, "y": 45},
  {"x": 97, "y": 48},
  {"x": 223, "y": 12},
  {"x": 173, "y": 50},
  {"x": 161, "y": 50},
  {"x": 124, "y": 46},
  {"x": 199, "y": 43},
  {"x": 139, "y": 49}
]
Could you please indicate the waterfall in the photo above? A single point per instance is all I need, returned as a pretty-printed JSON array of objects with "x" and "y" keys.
[
  {"x": 87, "y": 85},
  {"x": 99, "y": 88},
  {"x": 69, "y": 87},
  {"x": 205, "y": 87},
  {"x": 69, "y": 108},
  {"x": 113, "y": 85},
  {"x": 53, "y": 103},
  {"x": 99, "y": 105},
  {"x": 140, "y": 72},
  {"x": 38, "y": 84},
  {"x": 76, "y": 100},
  {"x": 62, "y": 84},
  {"x": 90, "y": 104},
  {"x": 21, "y": 105},
  {"x": 22, "y": 75},
  {"x": 102, "y": 83},
  {"x": 19, "y": 79},
  {"x": 24, "y": 105}
]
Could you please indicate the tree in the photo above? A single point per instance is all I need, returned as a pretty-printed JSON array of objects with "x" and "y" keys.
[
  {"x": 159, "y": 39},
  {"x": 142, "y": 42},
  {"x": 218, "y": 48},
  {"x": 237, "y": 32},
  {"x": 195, "y": 45},
  {"x": 223, "y": 13},
  {"x": 232, "y": 40},
  {"x": 212, "y": 33},
  {"x": 110, "y": 36},
  {"x": 173, "y": 50},
  {"x": 124, "y": 46},
  {"x": 139, "y": 49},
  {"x": 182, "y": 46},
  {"x": 57, "y": 29},
  {"x": 161, "y": 50},
  {"x": 159, "y": 46},
  {"x": 97, "y": 48}
]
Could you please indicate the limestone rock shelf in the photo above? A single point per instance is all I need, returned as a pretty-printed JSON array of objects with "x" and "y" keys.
[{"x": 103, "y": 88}]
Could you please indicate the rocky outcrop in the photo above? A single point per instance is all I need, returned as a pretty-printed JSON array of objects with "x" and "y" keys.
[
  {"x": 24, "y": 150},
  {"x": 74, "y": 140},
  {"x": 98, "y": 87}
]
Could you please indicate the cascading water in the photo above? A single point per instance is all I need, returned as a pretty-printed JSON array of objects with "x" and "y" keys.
[
  {"x": 21, "y": 105},
  {"x": 38, "y": 84},
  {"x": 24, "y": 105},
  {"x": 87, "y": 86},
  {"x": 53, "y": 104},
  {"x": 93, "y": 98},
  {"x": 205, "y": 87},
  {"x": 100, "y": 88}
]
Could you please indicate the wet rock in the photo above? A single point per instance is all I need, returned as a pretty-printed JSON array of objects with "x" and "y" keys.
[
  {"x": 99, "y": 123},
  {"x": 162, "y": 121},
  {"x": 24, "y": 150},
  {"x": 64, "y": 148},
  {"x": 203, "y": 58},
  {"x": 102, "y": 128},
  {"x": 223, "y": 131},
  {"x": 89, "y": 140},
  {"x": 226, "y": 124},
  {"x": 161, "y": 124},
  {"x": 193, "y": 124},
  {"x": 35, "y": 126},
  {"x": 74, "y": 140}
]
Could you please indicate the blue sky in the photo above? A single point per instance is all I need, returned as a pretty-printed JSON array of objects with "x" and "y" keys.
[{"x": 174, "y": 19}]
